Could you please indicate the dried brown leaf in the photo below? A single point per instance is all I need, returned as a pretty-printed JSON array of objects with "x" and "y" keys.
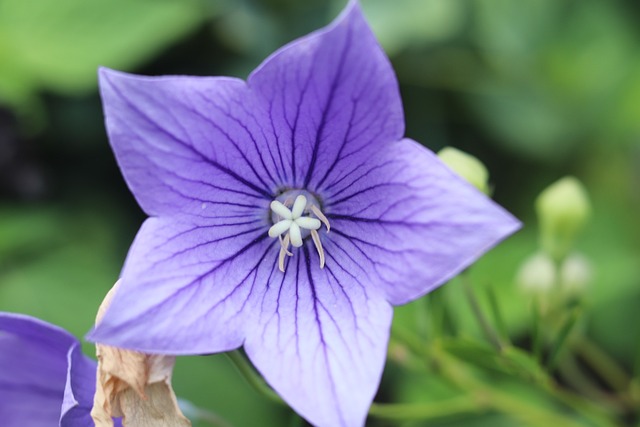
[{"x": 134, "y": 385}]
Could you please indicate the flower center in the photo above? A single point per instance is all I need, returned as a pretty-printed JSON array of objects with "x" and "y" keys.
[{"x": 292, "y": 223}]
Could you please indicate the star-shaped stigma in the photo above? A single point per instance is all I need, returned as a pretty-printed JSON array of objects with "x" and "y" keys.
[{"x": 296, "y": 227}]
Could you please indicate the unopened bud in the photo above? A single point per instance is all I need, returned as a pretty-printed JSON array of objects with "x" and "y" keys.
[
  {"x": 575, "y": 274},
  {"x": 563, "y": 209},
  {"x": 537, "y": 275},
  {"x": 468, "y": 167}
]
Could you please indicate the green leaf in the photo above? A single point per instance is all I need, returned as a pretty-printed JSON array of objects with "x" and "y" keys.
[
  {"x": 556, "y": 74},
  {"x": 59, "y": 44},
  {"x": 511, "y": 361},
  {"x": 406, "y": 22}
]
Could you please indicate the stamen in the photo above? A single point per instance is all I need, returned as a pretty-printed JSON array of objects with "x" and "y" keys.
[
  {"x": 316, "y": 241},
  {"x": 317, "y": 212},
  {"x": 285, "y": 243},
  {"x": 283, "y": 252},
  {"x": 291, "y": 224}
]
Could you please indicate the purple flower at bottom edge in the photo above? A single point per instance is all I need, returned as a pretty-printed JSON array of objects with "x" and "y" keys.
[
  {"x": 288, "y": 215},
  {"x": 45, "y": 380}
]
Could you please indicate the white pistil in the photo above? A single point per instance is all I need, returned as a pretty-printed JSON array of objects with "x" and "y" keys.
[
  {"x": 295, "y": 234},
  {"x": 280, "y": 227},
  {"x": 280, "y": 209},
  {"x": 298, "y": 206},
  {"x": 291, "y": 222}
]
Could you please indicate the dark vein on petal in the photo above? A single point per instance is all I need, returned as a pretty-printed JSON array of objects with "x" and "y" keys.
[
  {"x": 335, "y": 82},
  {"x": 376, "y": 221},
  {"x": 227, "y": 136},
  {"x": 346, "y": 296},
  {"x": 346, "y": 271},
  {"x": 190, "y": 148},
  {"x": 344, "y": 143},
  {"x": 264, "y": 296},
  {"x": 277, "y": 311},
  {"x": 170, "y": 299},
  {"x": 200, "y": 227},
  {"x": 251, "y": 136},
  {"x": 265, "y": 138},
  {"x": 197, "y": 181},
  {"x": 212, "y": 202},
  {"x": 366, "y": 190},
  {"x": 203, "y": 244},
  {"x": 314, "y": 297},
  {"x": 242, "y": 282},
  {"x": 296, "y": 306},
  {"x": 363, "y": 165},
  {"x": 277, "y": 137},
  {"x": 364, "y": 175},
  {"x": 351, "y": 239},
  {"x": 294, "y": 128}
]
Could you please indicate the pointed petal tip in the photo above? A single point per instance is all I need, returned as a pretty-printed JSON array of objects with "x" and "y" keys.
[
  {"x": 109, "y": 76},
  {"x": 91, "y": 336},
  {"x": 106, "y": 73},
  {"x": 351, "y": 11},
  {"x": 100, "y": 334}
]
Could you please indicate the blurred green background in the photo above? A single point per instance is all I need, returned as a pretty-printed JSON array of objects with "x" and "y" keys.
[{"x": 536, "y": 89}]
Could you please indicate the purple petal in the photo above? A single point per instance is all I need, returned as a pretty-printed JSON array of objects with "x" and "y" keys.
[
  {"x": 189, "y": 145},
  {"x": 406, "y": 223},
  {"x": 321, "y": 340},
  {"x": 189, "y": 288},
  {"x": 33, "y": 370},
  {"x": 332, "y": 98},
  {"x": 79, "y": 389}
]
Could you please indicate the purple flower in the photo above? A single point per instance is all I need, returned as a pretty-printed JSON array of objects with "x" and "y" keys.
[
  {"x": 301, "y": 169},
  {"x": 45, "y": 380}
]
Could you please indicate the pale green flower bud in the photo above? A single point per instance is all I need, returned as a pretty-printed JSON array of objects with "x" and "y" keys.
[
  {"x": 468, "y": 167},
  {"x": 575, "y": 274},
  {"x": 563, "y": 209},
  {"x": 537, "y": 274}
]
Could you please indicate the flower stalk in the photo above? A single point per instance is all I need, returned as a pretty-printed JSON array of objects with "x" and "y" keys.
[
  {"x": 562, "y": 338},
  {"x": 490, "y": 333},
  {"x": 252, "y": 377}
]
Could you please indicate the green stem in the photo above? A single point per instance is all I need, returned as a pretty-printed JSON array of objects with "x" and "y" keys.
[
  {"x": 529, "y": 414},
  {"x": 252, "y": 377},
  {"x": 606, "y": 367},
  {"x": 502, "y": 401},
  {"x": 490, "y": 333},
  {"x": 571, "y": 373},
  {"x": 387, "y": 411},
  {"x": 435, "y": 309},
  {"x": 536, "y": 333},
  {"x": 494, "y": 398},
  {"x": 497, "y": 315},
  {"x": 561, "y": 340}
]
